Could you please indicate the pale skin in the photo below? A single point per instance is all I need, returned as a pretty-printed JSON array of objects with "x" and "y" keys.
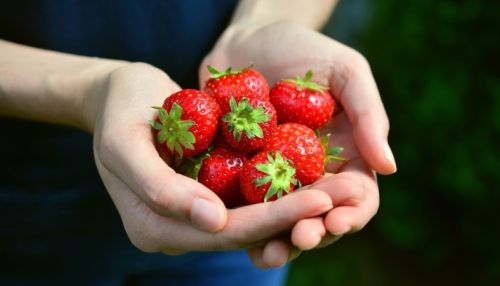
[{"x": 166, "y": 212}]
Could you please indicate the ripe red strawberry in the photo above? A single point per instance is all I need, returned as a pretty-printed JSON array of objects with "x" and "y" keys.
[
  {"x": 266, "y": 177},
  {"x": 302, "y": 101},
  {"x": 220, "y": 172},
  {"x": 248, "y": 122},
  {"x": 236, "y": 83},
  {"x": 299, "y": 144},
  {"x": 187, "y": 122}
]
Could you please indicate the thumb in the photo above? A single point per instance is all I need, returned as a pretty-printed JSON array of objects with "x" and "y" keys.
[{"x": 167, "y": 193}]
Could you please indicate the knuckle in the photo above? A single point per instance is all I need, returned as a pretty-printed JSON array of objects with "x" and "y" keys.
[
  {"x": 234, "y": 241},
  {"x": 161, "y": 194},
  {"x": 142, "y": 245},
  {"x": 136, "y": 68},
  {"x": 363, "y": 116},
  {"x": 105, "y": 151},
  {"x": 359, "y": 60},
  {"x": 356, "y": 65},
  {"x": 237, "y": 237},
  {"x": 142, "y": 241},
  {"x": 159, "y": 199},
  {"x": 144, "y": 233},
  {"x": 137, "y": 72}
]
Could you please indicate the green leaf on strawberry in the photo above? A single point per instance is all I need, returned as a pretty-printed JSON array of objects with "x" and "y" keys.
[
  {"x": 279, "y": 173},
  {"x": 331, "y": 152},
  {"x": 173, "y": 130},
  {"x": 243, "y": 118},
  {"x": 190, "y": 167},
  {"x": 214, "y": 73},
  {"x": 307, "y": 82}
]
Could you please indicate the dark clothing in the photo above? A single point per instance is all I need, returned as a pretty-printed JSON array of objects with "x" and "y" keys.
[{"x": 57, "y": 223}]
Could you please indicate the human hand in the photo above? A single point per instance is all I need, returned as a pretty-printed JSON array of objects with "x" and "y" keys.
[
  {"x": 285, "y": 50},
  {"x": 163, "y": 211}
]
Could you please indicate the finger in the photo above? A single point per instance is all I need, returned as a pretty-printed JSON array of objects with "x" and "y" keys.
[
  {"x": 247, "y": 226},
  {"x": 278, "y": 252},
  {"x": 133, "y": 212},
  {"x": 355, "y": 88},
  {"x": 136, "y": 162},
  {"x": 350, "y": 218},
  {"x": 265, "y": 220},
  {"x": 308, "y": 233},
  {"x": 341, "y": 221},
  {"x": 255, "y": 255},
  {"x": 347, "y": 188},
  {"x": 344, "y": 188}
]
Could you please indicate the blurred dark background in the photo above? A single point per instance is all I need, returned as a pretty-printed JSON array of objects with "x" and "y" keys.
[{"x": 437, "y": 67}]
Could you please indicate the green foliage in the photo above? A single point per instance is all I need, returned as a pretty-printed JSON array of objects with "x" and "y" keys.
[{"x": 436, "y": 64}]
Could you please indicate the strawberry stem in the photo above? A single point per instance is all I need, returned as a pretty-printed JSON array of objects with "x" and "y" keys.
[
  {"x": 279, "y": 173},
  {"x": 191, "y": 166},
  {"x": 173, "y": 131},
  {"x": 243, "y": 118}
]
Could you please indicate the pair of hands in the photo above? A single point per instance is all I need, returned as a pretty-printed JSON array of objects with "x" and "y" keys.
[{"x": 166, "y": 212}]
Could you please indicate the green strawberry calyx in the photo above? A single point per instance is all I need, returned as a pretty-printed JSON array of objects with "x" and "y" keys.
[
  {"x": 191, "y": 167},
  {"x": 173, "y": 131},
  {"x": 214, "y": 73},
  {"x": 331, "y": 153},
  {"x": 307, "y": 82},
  {"x": 280, "y": 174},
  {"x": 243, "y": 118}
]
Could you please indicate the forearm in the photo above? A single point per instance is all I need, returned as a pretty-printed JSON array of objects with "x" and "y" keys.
[
  {"x": 48, "y": 86},
  {"x": 313, "y": 14}
]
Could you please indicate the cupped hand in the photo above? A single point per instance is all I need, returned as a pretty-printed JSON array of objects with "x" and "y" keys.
[
  {"x": 353, "y": 188},
  {"x": 286, "y": 50},
  {"x": 163, "y": 211}
]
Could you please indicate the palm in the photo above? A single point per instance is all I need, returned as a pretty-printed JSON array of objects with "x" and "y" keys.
[
  {"x": 286, "y": 50},
  {"x": 154, "y": 202}
]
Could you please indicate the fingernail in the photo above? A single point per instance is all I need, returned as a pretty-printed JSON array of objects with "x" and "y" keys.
[
  {"x": 206, "y": 215},
  {"x": 389, "y": 156}
]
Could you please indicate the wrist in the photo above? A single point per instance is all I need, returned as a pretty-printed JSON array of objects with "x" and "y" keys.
[
  {"x": 87, "y": 90},
  {"x": 49, "y": 86},
  {"x": 110, "y": 84},
  {"x": 263, "y": 12},
  {"x": 236, "y": 33}
]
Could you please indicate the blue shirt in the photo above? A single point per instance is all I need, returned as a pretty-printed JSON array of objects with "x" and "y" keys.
[{"x": 56, "y": 219}]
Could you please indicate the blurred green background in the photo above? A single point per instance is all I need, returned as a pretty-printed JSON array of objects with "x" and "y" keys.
[{"x": 438, "y": 71}]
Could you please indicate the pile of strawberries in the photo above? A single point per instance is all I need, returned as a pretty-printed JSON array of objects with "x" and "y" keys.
[{"x": 244, "y": 141}]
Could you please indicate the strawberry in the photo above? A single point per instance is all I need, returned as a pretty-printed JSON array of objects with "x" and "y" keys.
[
  {"x": 220, "y": 173},
  {"x": 246, "y": 82},
  {"x": 299, "y": 144},
  {"x": 187, "y": 122},
  {"x": 246, "y": 124},
  {"x": 266, "y": 177},
  {"x": 302, "y": 101}
]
